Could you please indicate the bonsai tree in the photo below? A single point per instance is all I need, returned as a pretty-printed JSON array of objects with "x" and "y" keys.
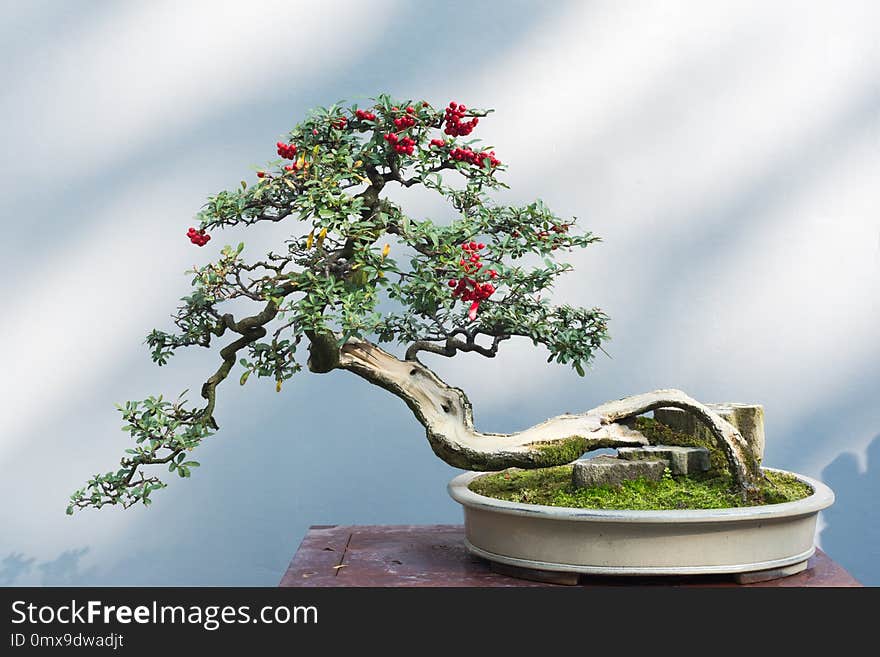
[{"x": 357, "y": 271}]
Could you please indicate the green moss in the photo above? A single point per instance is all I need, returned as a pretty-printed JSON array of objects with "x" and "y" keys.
[
  {"x": 660, "y": 434},
  {"x": 552, "y": 486},
  {"x": 565, "y": 450}
]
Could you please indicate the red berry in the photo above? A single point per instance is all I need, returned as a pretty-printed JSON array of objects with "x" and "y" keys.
[
  {"x": 287, "y": 151},
  {"x": 198, "y": 237},
  {"x": 261, "y": 174},
  {"x": 453, "y": 283}
]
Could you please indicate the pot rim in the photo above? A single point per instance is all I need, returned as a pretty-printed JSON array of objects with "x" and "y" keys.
[{"x": 822, "y": 498}]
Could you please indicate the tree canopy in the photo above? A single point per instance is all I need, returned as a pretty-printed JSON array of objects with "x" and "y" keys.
[{"x": 357, "y": 269}]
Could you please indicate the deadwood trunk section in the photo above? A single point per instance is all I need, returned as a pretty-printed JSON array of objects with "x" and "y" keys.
[
  {"x": 741, "y": 459},
  {"x": 447, "y": 415}
]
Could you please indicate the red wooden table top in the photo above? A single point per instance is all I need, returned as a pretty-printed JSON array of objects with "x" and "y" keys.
[{"x": 434, "y": 555}]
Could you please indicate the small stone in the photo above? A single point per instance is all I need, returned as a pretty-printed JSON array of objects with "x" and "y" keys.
[
  {"x": 747, "y": 418},
  {"x": 612, "y": 471},
  {"x": 681, "y": 460}
]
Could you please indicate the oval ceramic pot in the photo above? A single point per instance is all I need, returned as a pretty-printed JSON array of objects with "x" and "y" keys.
[{"x": 612, "y": 542}]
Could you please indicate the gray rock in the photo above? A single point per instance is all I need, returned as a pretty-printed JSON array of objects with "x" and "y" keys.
[
  {"x": 747, "y": 418},
  {"x": 611, "y": 471},
  {"x": 681, "y": 460}
]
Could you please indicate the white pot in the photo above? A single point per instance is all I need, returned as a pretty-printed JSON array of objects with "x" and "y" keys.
[{"x": 612, "y": 542}]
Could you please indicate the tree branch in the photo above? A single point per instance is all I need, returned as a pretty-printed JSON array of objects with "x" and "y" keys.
[
  {"x": 454, "y": 345},
  {"x": 251, "y": 329}
]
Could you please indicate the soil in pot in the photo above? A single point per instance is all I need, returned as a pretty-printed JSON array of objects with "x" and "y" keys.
[{"x": 553, "y": 487}]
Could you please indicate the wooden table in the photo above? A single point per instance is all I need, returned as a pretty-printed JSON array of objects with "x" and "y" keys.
[{"x": 434, "y": 555}]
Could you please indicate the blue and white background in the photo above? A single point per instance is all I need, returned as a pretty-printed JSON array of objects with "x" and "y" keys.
[{"x": 727, "y": 152}]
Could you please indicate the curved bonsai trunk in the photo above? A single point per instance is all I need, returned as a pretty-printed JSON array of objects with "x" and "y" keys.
[{"x": 447, "y": 415}]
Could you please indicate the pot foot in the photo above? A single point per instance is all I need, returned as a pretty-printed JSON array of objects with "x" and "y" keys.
[
  {"x": 770, "y": 574},
  {"x": 546, "y": 576}
]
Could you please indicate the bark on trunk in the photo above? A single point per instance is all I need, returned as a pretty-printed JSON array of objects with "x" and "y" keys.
[{"x": 447, "y": 415}]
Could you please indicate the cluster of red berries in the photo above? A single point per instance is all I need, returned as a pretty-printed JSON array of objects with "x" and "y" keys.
[
  {"x": 199, "y": 237},
  {"x": 401, "y": 145},
  {"x": 340, "y": 123},
  {"x": 293, "y": 166},
  {"x": 478, "y": 159},
  {"x": 454, "y": 124},
  {"x": 365, "y": 115},
  {"x": 472, "y": 261},
  {"x": 407, "y": 120},
  {"x": 439, "y": 143},
  {"x": 287, "y": 151},
  {"x": 468, "y": 289}
]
